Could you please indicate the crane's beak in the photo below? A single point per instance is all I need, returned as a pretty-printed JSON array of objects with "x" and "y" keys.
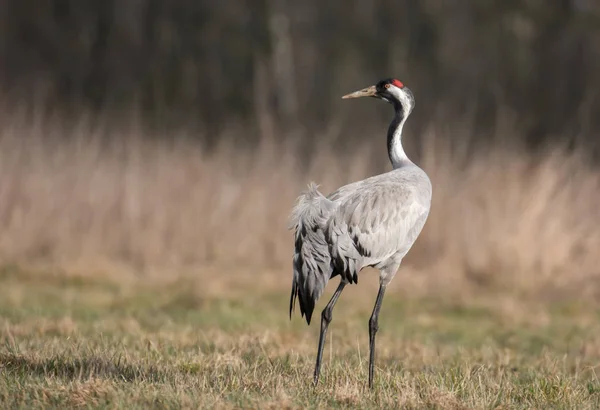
[{"x": 366, "y": 92}]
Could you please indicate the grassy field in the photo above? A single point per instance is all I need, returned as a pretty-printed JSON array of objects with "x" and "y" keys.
[
  {"x": 151, "y": 273},
  {"x": 77, "y": 341}
]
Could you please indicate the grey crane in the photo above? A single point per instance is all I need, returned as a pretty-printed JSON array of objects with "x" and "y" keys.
[{"x": 373, "y": 222}]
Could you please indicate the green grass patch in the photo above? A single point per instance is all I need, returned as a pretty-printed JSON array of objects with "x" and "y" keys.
[{"x": 78, "y": 342}]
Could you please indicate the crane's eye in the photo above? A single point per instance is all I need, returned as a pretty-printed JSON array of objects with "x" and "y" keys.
[{"x": 387, "y": 86}]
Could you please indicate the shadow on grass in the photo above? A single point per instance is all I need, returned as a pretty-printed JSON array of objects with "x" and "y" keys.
[{"x": 70, "y": 368}]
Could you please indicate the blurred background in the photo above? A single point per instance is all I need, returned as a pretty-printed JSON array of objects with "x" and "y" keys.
[{"x": 158, "y": 137}]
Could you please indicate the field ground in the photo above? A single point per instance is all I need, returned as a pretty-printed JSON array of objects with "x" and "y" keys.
[
  {"x": 198, "y": 341},
  {"x": 496, "y": 306}
]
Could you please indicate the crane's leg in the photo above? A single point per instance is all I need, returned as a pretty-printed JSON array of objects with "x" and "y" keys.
[
  {"x": 373, "y": 327},
  {"x": 325, "y": 320}
]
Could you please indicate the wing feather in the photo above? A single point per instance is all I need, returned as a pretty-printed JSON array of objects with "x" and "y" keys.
[{"x": 376, "y": 222}]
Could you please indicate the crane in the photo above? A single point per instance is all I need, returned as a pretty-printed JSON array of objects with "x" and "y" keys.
[{"x": 368, "y": 223}]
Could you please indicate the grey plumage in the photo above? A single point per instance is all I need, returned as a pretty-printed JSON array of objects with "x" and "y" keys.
[
  {"x": 312, "y": 261},
  {"x": 373, "y": 222}
]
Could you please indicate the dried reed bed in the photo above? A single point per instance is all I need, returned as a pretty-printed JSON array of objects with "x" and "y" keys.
[{"x": 92, "y": 197}]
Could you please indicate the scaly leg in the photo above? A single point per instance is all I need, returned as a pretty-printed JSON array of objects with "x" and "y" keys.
[
  {"x": 373, "y": 327},
  {"x": 325, "y": 320}
]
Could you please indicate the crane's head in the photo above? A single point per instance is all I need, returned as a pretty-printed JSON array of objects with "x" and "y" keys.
[{"x": 390, "y": 90}]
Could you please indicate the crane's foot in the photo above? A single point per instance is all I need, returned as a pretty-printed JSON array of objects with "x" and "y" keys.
[{"x": 316, "y": 374}]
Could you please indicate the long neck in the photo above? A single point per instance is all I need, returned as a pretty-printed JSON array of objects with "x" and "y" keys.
[{"x": 394, "y": 138}]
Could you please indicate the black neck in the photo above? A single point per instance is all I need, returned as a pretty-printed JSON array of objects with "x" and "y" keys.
[{"x": 393, "y": 137}]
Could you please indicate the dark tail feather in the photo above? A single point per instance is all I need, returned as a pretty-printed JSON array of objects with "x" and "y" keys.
[
  {"x": 309, "y": 311},
  {"x": 312, "y": 262},
  {"x": 293, "y": 298},
  {"x": 307, "y": 304}
]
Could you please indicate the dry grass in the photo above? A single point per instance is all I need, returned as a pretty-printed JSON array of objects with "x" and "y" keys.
[
  {"x": 141, "y": 273},
  {"x": 77, "y": 198},
  {"x": 68, "y": 342}
]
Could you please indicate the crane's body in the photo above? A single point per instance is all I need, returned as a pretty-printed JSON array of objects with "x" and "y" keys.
[{"x": 373, "y": 222}]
